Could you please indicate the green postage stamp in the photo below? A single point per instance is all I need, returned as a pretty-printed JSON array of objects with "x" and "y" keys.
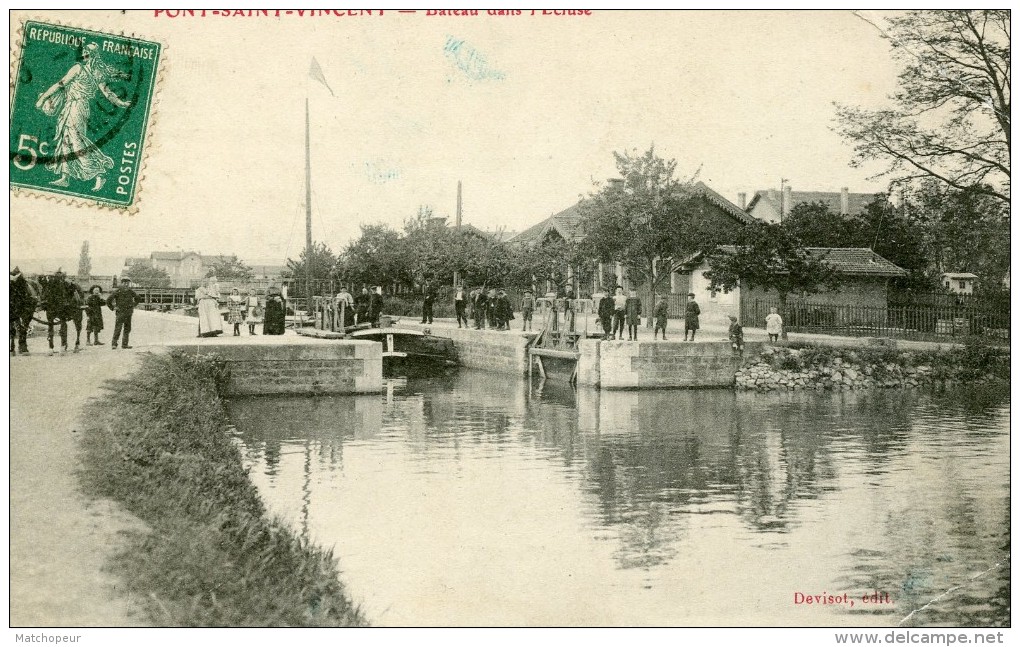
[{"x": 80, "y": 113}]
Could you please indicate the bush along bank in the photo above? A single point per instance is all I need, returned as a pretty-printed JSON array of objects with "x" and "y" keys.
[
  {"x": 841, "y": 369},
  {"x": 157, "y": 444}
]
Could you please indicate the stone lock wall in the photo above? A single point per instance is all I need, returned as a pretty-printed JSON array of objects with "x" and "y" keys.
[
  {"x": 311, "y": 367},
  {"x": 503, "y": 351},
  {"x": 651, "y": 365}
]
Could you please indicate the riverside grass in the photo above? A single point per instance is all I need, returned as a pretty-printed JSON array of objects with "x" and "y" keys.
[{"x": 156, "y": 443}]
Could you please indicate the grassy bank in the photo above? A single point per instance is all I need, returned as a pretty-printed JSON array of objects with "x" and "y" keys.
[
  {"x": 804, "y": 366},
  {"x": 156, "y": 444}
]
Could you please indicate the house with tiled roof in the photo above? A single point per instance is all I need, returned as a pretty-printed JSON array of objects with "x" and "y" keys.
[
  {"x": 771, "y": 205},
  {"x": 187, "y": 268},
  {"x": 864, "y": 282},
  {"x": 721, "y": 214}
]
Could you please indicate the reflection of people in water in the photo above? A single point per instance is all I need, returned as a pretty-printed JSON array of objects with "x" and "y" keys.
[{"x": 70, "y": 98}]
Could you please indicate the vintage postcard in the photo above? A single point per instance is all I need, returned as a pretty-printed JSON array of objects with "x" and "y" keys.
[{"x": 511, "y": 318}]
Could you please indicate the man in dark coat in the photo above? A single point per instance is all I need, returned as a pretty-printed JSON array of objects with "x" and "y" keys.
[
  {"x": 23, "y": 302},
  {"x": 605, "y": 309},
  {"x": 361, "y": 305},
  {"x": 480, "y": 305},
  {"x": 428, "y": 303},
  {"x": 122, "y": 301},
  {"x": 691, "y": 314},
  {"x": 375, "y": 305}
]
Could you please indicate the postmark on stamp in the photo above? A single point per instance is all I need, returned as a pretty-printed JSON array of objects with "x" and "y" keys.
[{"x": 81, "y": 112}]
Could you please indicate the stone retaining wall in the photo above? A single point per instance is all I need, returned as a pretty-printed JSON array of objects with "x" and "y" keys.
[
  {"x": 326, "y": 367},
  {"x": 503, "y": 351},
  {"x": 660, "y": 365}
]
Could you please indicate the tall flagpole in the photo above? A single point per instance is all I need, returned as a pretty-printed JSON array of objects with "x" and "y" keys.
[{"x": 308, "y": 212}]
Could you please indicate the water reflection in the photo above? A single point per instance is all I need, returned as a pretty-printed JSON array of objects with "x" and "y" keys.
[{"x": 476, "y": 499}]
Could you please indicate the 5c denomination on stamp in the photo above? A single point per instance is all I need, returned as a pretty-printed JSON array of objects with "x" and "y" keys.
[{"x": 80, "y": 113}]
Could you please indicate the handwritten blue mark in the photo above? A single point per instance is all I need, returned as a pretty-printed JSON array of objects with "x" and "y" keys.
[
  {"x": 381, "y": 171},
  {"x": 470, "y": 62}
]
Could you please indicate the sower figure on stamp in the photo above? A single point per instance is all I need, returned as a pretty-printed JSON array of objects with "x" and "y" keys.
[
  {"x": 123, "y": 302},
  {"x": 70, "y": 98},
  {"x": 94, "y": 313}
]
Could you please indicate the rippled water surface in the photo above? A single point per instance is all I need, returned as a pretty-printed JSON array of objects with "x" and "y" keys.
[{"x": 477, "y": 499}]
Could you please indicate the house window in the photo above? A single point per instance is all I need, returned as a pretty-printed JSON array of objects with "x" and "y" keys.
[
  {"x": 963, "y": 285},
  {"x": 947, "y": 285}
]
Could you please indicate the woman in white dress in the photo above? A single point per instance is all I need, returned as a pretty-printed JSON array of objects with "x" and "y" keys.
[{"x": 210, "y": 323}]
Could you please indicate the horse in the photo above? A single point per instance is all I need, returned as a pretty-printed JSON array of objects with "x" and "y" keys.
[
  {"x": 23, "y": 302},
  {"x": 63, "y": 301}
]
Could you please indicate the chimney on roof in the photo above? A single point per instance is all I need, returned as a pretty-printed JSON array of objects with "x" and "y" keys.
[
  {"x": 844, "y": 201},
  {"x": 787, "y": 200},
  {"x": 773, "y": 195},
  {"x": 742, "y": 200}
]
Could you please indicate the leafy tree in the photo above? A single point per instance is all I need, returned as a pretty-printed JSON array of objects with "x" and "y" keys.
[
  {"x": 817, "y": 226},
  {"x": 770, "y": 256},
  {"x": 146, "y": 276},
  {"x": 950, "y": 118},
  {"x": 650, "y": 221},
  {"x": 231, "y": 269},
  {"x": 893, "y": 235},
  {"x": 482, "y": 262},
  {"x": 530, "y": 266},
  {"x": 84, "y": 264},
  {"x": 429, "y": 249},
  {"x": 375, "y": 258},
  {"x": 322, "y": 261},
  {"x": 964, "y": 231}
]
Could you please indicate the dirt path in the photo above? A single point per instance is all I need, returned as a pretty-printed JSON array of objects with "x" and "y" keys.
[{"x": 60, "y": 540}]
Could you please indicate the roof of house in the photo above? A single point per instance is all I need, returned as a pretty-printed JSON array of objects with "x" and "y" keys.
[
  {"x": 959, "y": 275},
  {"x": 856, "y": 261},
  {"x": 833, "y": 199},
  {"x": 170, "y": 256},
  {"x": 567, "y": 223},
  {"x": 724, "y": 204}
]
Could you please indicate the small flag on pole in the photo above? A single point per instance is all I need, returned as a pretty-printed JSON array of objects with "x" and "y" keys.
[{"x": 316, "y": 73}]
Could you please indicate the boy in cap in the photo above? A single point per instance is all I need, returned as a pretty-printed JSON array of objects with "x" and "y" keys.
[
  {"x": 736, "y": 335},
  {"x": 661, "y": 314}
]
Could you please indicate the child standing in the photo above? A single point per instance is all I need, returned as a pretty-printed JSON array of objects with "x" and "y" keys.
[
  {"x": 691, "y": 313},
  {"x": 254, "y": 314},
  {"x": 94, "y": 312},
  {"x": 235, "y": 311},
  {"x": 736, "y": 335},
  {"x": 527, "y": 309},
  {"x": 661, "y": 314},
  {"x": 773, "y": 324}
]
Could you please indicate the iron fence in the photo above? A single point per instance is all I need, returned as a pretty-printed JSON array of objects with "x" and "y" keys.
[{"x": 936, "y": 323}]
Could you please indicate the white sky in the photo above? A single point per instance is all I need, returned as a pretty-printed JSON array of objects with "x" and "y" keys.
[{"x": 745, "y": 95}]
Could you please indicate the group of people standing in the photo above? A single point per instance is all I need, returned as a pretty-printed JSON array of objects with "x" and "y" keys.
[
  {"x": 489, "y": 308},
  {"x": 366, "y": 307},
  {"x": 122, "y": 301},
  {"x": 243, "y": 308}
]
